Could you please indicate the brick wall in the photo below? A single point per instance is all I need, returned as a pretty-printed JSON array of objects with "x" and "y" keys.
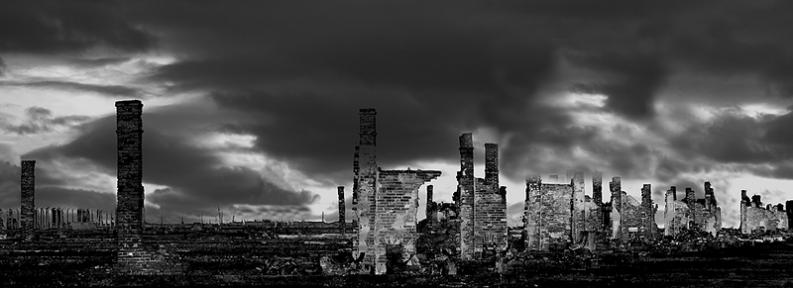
[{"x": 395, "y": 215}]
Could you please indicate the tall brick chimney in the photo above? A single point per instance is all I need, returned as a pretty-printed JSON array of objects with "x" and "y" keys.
[
  {"x": 129, "y": 209},
  {"x": 342, "y": 209},
  {"x": 646, "y": 195},
  {"x": 789, "y": 212},
  {"x": 28, "y": 207},
  {"x": 365, "y": 169},
  {"x": 465, "y": 183},
  {"x": 491, "y": 164},
  {"x": 597, "y": 188}
]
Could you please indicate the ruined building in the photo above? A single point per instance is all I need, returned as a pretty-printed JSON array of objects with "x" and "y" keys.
[
  {"x": 756, "y": 217},
  {"x": 558, "y": 214},
  {"x": 385, "y": 202},
  {"x": 691, "y": 213},
  {"x": 481, "y": 202}
]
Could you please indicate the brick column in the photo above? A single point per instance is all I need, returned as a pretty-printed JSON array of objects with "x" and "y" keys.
[
  {"x": 28, "y": 206},
  {"x": 465, "y": 183},
  {"x": 364, "y": 186},
  {"x": 342, "y": 220},
  {"x": 129, "y": 209}
]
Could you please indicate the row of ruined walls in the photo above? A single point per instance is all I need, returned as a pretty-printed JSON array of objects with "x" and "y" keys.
[
  {"x": 558, "y": 215},
  {"x": 691, "y": 213},
  {"x": 57, "y": 218},
  {"x": 754, "y": 216}
]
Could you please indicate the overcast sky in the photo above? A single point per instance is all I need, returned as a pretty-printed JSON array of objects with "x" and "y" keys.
[{"x": 251, "y": 106}]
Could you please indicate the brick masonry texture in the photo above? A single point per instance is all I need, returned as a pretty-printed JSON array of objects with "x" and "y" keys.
[
  {"x": 755, "y": 217},
  {"x": 28, "y": 190}
]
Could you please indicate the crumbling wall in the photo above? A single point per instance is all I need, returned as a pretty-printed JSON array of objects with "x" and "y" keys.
[
  {"x": 756, "y": 217},
  {"x": 676, "y": 214},
  {"x": 548, "y": 215},
  {"x": 490, "y": 206},
  {"x": 395, "y": 214}
]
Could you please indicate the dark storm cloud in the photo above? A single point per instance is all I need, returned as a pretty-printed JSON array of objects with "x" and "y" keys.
[
  {"x": 437, "y": 69},
  {"x": 49, "y": 196},
  {"x": 39, "y": 120},
  {"x": 58, "y": 26},
  {"x": 108, "y": 90},
  {"x": 195, "y": 176}
]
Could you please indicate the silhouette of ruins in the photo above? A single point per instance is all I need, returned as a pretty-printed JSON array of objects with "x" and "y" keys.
[{"x": 384, "y": 234}]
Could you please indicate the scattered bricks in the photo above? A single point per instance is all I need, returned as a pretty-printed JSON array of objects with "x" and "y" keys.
[{"x": 28, "y": 208}]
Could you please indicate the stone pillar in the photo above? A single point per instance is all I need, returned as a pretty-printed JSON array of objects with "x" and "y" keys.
[
  {"x": 28, "y": 207},
  {"x": 465, "y": 183},
  {"x": 129, "y": 209},
  {"x": 531, "y": 214},
  {"x": 342, "y": 220},
  {"x": 365, "y": 182}
]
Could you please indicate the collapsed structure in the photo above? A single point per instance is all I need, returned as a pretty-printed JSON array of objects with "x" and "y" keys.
[
  {"x": 691, "y": 213},
  {"x": 558, "y": 215},
  {"x": 385, "y": 202},
  {"x": 755, "y": 217}
]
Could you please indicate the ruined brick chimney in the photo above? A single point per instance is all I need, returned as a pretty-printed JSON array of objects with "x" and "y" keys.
[
  {"x": 28, "y": 189},
  {"x": 365, "y": 168},
  {"x": 615, "y": 187},
  {"x": 710, "y": 199},
  {"x": 646, "y": 195},
  {"x": 789, "y": 212},
  {"x": 129, "y": 209},
  {"x": 465, "y": 182},
  {"x": 491, "y": 164},
  {"x": 756, "y": 201},
  {"x": 342, "y": 209},
  {"x": 597, "y": 188}
]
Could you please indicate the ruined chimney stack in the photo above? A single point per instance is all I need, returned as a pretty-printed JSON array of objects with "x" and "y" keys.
[
  {"x": 789, "y": 212},
  {"x": 129, "y": 209},
  {"x": 690, "y": 196},
  {"x": 615, "y": 186},
  {"x": 646, "y": 195},
  {"x": 465, "y": 182},
  {"x": 597, "y": 188},
  {"x": 342, "y": 209},
  {"x": 28, "y": 203},
  {"x": 491, "y": 164},
  {"x": 756, "y": 201}
]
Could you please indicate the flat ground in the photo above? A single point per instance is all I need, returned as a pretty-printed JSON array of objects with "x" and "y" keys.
[{"x": 767, "y": 265}]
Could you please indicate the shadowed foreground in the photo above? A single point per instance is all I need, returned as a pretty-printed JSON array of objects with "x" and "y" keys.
[{"x": 764, "y": 265}]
